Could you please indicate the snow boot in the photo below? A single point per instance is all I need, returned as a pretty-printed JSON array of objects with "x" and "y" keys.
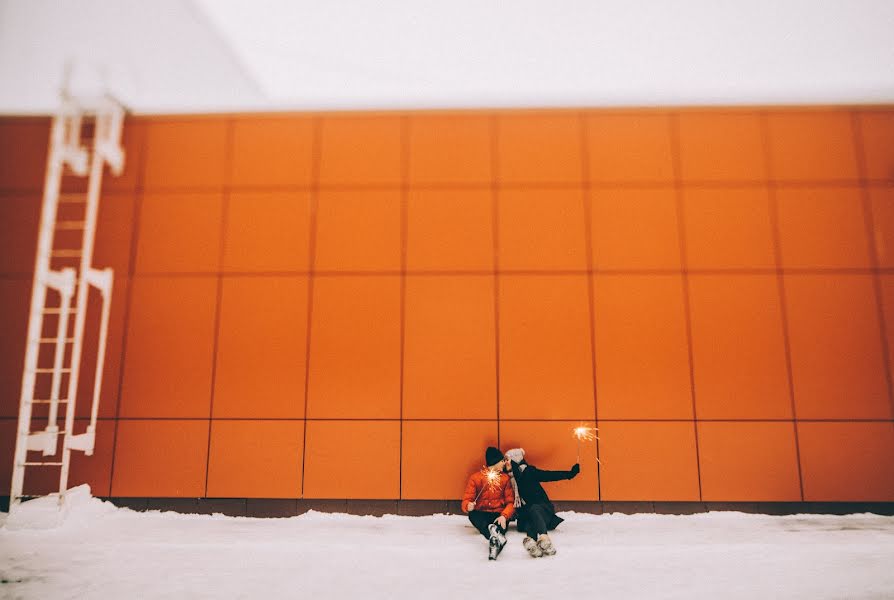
[
  {"x": 495, "y": 532},
  {"x": 496, "y": 542},
  {"x": 532, "y": 547},
  {"x": 546, "y": 544}
]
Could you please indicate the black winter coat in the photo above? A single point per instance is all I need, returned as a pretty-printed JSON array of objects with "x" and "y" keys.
[{"x": 529, "y": 488}]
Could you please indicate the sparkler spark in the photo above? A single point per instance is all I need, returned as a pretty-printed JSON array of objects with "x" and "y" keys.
[
  {"x": 585, "y": 433},
  {"x": 492, "y": 477}
]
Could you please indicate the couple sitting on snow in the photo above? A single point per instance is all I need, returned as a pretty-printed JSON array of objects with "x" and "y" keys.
[{"x": 509, "y": 487}]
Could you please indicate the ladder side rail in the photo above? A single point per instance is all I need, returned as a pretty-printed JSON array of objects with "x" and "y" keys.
[
  {"x": 52, "y": 183},
  {"x": 94, "y": 185},
  {"x": 106, "y": 290}
]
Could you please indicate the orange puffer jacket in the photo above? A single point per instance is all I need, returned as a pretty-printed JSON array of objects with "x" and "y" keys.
[{"x": 497, "y": 496}]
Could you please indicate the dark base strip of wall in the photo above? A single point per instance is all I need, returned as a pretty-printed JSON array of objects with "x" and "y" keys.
[{"x": 277, "y": 507}]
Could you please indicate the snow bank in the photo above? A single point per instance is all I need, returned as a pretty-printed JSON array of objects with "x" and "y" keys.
[{"x": 100, "y": 551}]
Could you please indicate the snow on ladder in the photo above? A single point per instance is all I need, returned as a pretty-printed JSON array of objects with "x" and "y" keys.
[{"x": 59, "y": 292}]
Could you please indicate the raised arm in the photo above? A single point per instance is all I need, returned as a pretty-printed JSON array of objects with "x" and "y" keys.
[{"x": 543, "y": 476}]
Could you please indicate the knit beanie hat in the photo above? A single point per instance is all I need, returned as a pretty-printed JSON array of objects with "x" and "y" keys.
[
  {"x": 492, "y": 456},
  {"x": 516, "y": 455}
]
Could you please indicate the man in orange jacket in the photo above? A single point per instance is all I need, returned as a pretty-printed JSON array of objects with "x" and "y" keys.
[{"x": 490, "y": 501}]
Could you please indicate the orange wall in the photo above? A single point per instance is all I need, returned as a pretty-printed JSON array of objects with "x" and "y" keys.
[{"x": 355, "y": 305}]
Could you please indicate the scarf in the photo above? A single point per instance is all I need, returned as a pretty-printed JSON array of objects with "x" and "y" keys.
[{"x": 519, "y": 501}]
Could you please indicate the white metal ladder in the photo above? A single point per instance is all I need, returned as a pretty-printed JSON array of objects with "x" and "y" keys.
[{"x": 62, "y": 274}]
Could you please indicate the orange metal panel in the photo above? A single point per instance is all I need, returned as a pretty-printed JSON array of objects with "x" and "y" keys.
[
  {"x": 255, "y": 459},
  {"x": 163, "y": 459},
  {"x": 111, "y": 375},
  {"x": 628, "y": 148},
  {"x": 7, "y": 451},
  {"x": 876, "y": 132},
  {"x": 835, "y": 338},
  {"x": 648, "y": 461},
  {"x": 752, "y": 461},
  {"x": 541, "y": 229},
  {"x": 728, "y": 228},
  {"x": 355, "y": 348},
  {"x": 94, "y": 470},
  {"x": 450, "y": 230},
  {"x": 358, "y": 231},
  {"x": 267, "y": 232},
  {"x": 438, "y": 457},
  {"x": 352, "y": 459},
  {"x": 721, "y": 147},
  {"x": 845, "y": 462},
  {"x": 887, "y": 290},
  {"x": 550, "y": 445},
  {"x": 642, "y": 361},
  {"x": 450, "y": 348},
  {"x": 812, "y": 146},
  {"x": 272, "y": 151},
  {"x": 545, "y": 360},
  {"x": 23, "y": 146},
  {"x": 19, "y": 224},
  {"x": 451, "y": 148},
  {"x": 361, "y": 150},
  {"x": 15, "y": 300},
  {"x": 539, "y": 148},
  {"x": 179, "y": 233},
  {"x": 882, "y": 201},
  {"x": 114, "y": 230},
  {"x": 822, "y": 227},
  {"x": 185, "y": 153},
  {"x": 261, "y": 348},
  {"x": 635, "y": 229},
  {"x": 170, "y": 339},
  {"x": 738, "y": 347}
]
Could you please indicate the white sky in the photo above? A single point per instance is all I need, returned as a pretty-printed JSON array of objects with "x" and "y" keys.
[{"x": 207, "y": 55}]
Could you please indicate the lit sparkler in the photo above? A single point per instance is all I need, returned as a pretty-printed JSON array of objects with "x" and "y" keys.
[
  {"x": 493, "y": 477},
  {"x": 585, "y": 433}
]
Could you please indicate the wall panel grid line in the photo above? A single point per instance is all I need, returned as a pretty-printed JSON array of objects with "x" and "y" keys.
[
  {"x": 588, "y": 237},
  {"x": 504, "y": 420},
  {"x": 493, "y": 128},
  {"x": 684, "y": 260},
  {"x": 228, "y": 161},
  {"x": 873, "y": 257},
  {"x": 780, "y": 284},
  {"x": 595, "y": 185},
  {"x": 316, "y": 157},
  {"x": 131, "y": 268}
]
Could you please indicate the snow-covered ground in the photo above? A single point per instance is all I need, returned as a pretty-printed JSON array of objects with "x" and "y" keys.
[{"x": 101, "y": 551}]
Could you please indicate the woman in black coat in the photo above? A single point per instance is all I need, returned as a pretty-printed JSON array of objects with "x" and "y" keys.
[{"x": 536, "y": 514}]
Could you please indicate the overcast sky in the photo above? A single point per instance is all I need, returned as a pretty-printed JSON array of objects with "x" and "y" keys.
[{"x": 206, "y": 55}]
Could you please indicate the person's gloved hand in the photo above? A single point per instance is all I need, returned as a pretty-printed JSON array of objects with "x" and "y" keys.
[{"x": 575, "y": 470}]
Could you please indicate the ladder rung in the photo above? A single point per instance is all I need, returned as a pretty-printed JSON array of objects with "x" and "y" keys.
[
  {"x": 56, "y": 311},
  {"x": 42, "y": 401},
  {"x": 70, "y": 225},
  {"x": 60, "y": 432},
  {"x": 51, "y": 370},
  {"x": 52, "y": 340},
  {"x": 66, "y": 253},
  {"x": 40, "y": 464}
]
